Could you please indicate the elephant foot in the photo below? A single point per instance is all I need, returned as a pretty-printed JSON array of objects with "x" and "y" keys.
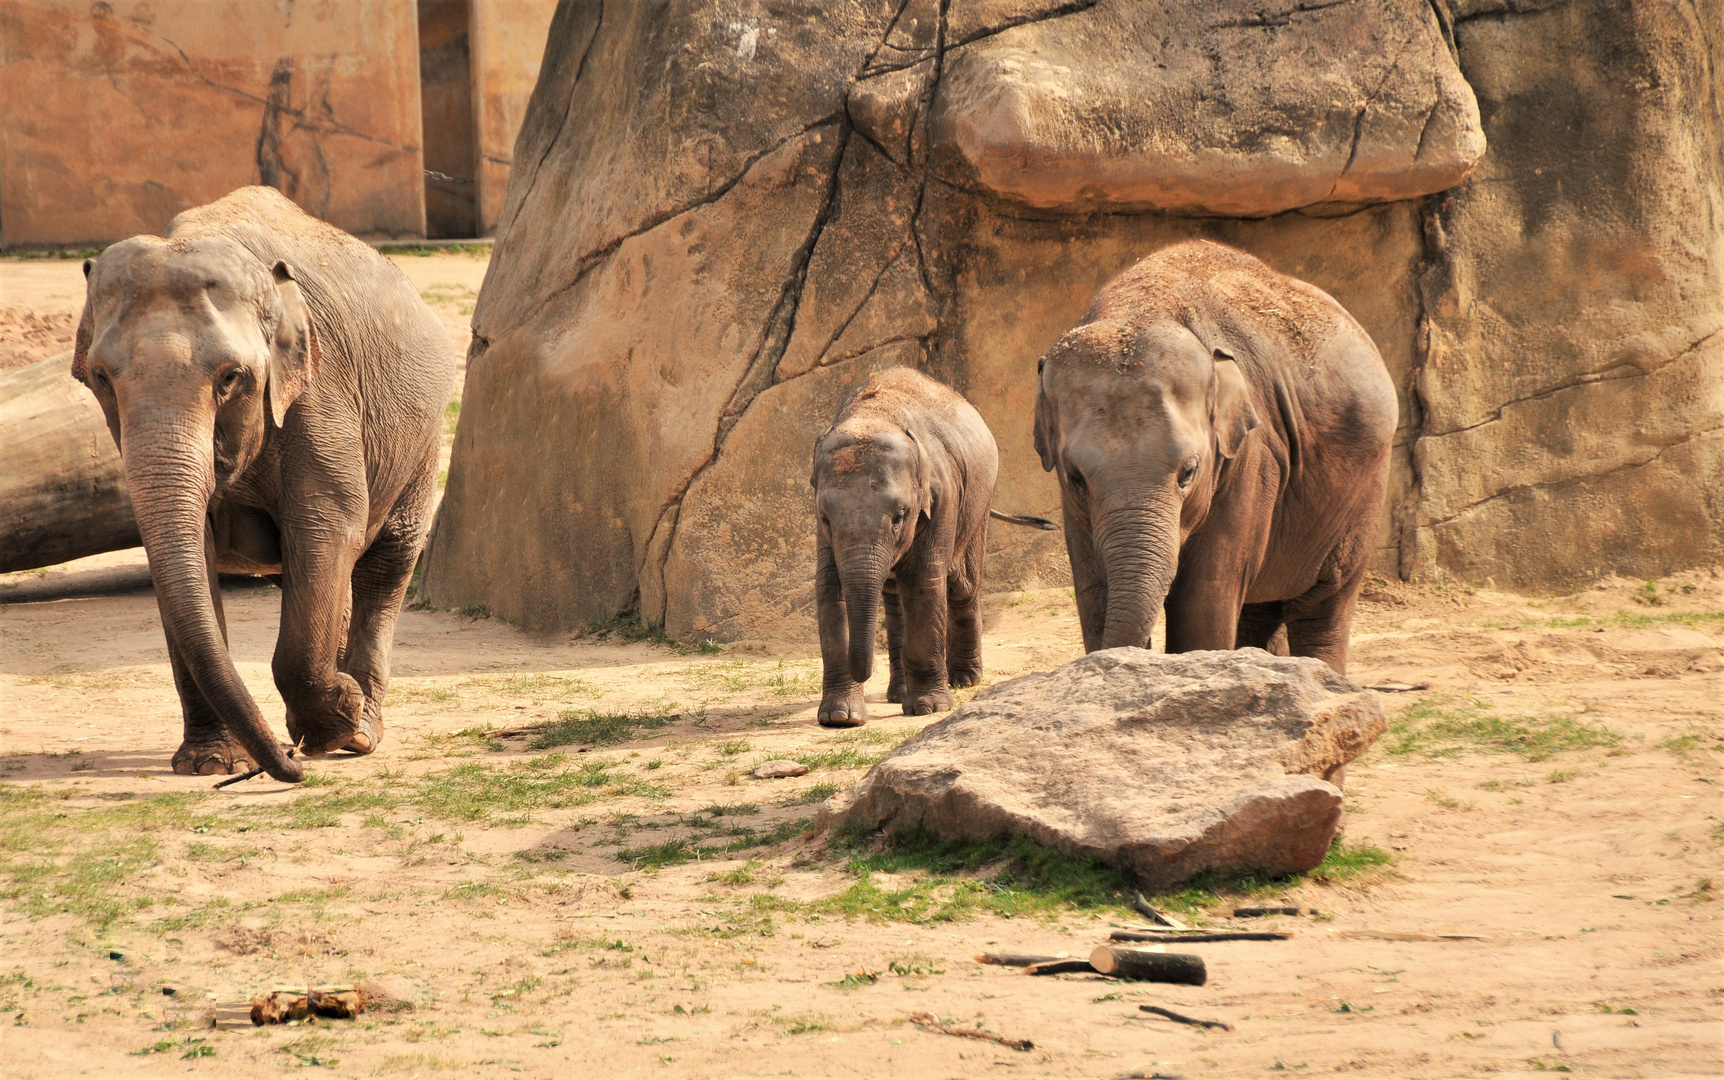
[
  {"x": 964, "y": 676},
  {"x": 895, "y": 690},
  {"x": 927, "y": 701},
  {"x": 336, "y": 719},
  {"x": 370, "y": 732},
  {"x": 842, "y": 709},
  {"x": 212, "y": 757}
]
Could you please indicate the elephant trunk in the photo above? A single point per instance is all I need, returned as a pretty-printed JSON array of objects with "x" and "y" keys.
[
  {"x": 862, "y": 579},
  {"x": 170, "y": 472},
  {"x": 1139, "y": 552}
]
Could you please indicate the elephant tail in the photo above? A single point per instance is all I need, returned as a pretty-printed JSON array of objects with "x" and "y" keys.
[{"x": 1023, "y": 519}]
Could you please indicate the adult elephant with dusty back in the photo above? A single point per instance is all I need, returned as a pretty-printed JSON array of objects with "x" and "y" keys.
[
  {"x": 1221, "y": 434},
  {"x": 276, "y": 390}
]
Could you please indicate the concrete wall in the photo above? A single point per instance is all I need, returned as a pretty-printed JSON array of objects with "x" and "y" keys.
[
  {"x": 446, "y": 88},
  {"x": 507, "y": 40},
  {"x": 119, "y": 115}
]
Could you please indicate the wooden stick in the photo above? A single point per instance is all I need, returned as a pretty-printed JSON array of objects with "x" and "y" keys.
[
  {"x": 1199, "y": 935},
  {"x": 1147, "y": 910},
  {"x": 1253, "y": 912},
  {"x": 1011, "y": 959},
  {"x": 1149, "y": 966},
  {"x": 1058, "y": 967},
  {"x": 929, "y": 1022},
  {"x": 1388, "y": 935},
  {"x": 1192, "y": 1020},
  {"x": 237, "y": 779}
]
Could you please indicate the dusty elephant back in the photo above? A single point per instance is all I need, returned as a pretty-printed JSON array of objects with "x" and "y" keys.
[{"x": 925, "y": 406}]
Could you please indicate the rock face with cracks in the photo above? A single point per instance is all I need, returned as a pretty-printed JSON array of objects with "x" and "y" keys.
[
  {"x": 1165, "y": 766},
  {"x": 724, "y": 217}
]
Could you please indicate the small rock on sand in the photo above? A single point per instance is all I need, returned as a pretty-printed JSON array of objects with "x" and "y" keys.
[{"x": 777, "y": 770}]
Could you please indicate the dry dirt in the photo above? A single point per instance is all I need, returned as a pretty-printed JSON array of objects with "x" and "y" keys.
[
  {"x": 1552, "y": 795},
  {"x": 640, "y": 906}
]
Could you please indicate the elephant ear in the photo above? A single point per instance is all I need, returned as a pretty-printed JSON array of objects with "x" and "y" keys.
[
  {"x": 86, "y": 332},
  {"x": 295, "y": 355},
  {"x": 1044, "y": 421},
  {"x": 924, "y": 475},
  {"x": 1231, "y": 413}
]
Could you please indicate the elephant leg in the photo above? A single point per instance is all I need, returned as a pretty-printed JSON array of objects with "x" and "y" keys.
[
  {"x": 841, "y": 703},
  {"x": 207, "y": 747},
  {"x": 325, "y": 705},
  {"x": 964, "y": 630},
  {"x": 894, "y": 642},
  {"x": 925, "y": 620},
  {"x": 1261, "y": 626},
  {"x": 1320, "y": 623},
  {"x": 1202, "y": 613},
  {"x": 379, "y": 584}
]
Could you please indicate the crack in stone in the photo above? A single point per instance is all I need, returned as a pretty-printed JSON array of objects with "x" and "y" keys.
[
  {"x": 1043, "y": 16},
  {"x": 1275, "y": 18},
  {"x": 1698, "y": 433},
  {"x": 1610, "y": 374},
  {"x": 594, "y": 260},
  {"x": 568, "y": 110}
]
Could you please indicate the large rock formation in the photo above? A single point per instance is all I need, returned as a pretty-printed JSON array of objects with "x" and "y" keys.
[
  {"x": 1166, "y": 766},
  {"x": 721, "y": 221}
]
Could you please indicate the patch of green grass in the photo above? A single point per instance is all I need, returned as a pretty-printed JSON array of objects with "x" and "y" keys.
[
  {"x": 949, "y": 880},
  {"x": 451, "y": 418},
  {"x": 1689, "y": 741},
  {"x": 596, "y": 728},
  {"x": 631, "y": 630},
  {"x": 474, "y": 611},
  {"x": 847, "y": 757},
  {"x": 690, "y": 848},
  {"x": 541, "y": 685},
  {"x": 802, "y": 1025},
  {"x": 1625, "y": 619},
  {"x": 729, "y": 809},
  {"x": 479, "y": 251},
  {"x": 1443, "y": 727},
  {"x": 818, "y": 793},
  {"x": 733, "y": 747},
  {"x": 855, "y": 979}
]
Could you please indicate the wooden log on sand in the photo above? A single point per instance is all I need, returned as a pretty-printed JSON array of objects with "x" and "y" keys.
[
  {"x": 1149, "y": 966},
  {"x": 62, "y": 486}
]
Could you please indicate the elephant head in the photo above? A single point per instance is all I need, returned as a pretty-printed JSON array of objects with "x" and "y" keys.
[
  {"x": 873, "y": 491},
  {"x": 194, "y": 348},
  {"x": 1136, "y": 421}
]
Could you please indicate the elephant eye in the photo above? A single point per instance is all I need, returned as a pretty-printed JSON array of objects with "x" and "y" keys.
[
  {"x": 1188, "y": 473},
  {"x": 102, "y": 378},
  {"x": 1075, "y": 479},
  {"x": 228, "y": 382},
  {"x": 899, "y": 516}
]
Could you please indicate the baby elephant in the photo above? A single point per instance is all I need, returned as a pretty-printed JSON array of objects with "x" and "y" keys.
[
  {"x": 276, "y": 389},
  {"x": 903, "y": 480}
]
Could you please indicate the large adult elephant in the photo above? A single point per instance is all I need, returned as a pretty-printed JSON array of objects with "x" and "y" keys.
[
  {"x": 276, "y": 390},
  {"x": 1221, "y": 434}
]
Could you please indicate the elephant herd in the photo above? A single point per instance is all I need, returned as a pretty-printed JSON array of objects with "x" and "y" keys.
[{"x": 1220, "y": 432}]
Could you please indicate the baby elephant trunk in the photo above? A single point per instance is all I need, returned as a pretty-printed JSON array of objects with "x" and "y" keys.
[{"x": 862, "y": 581}]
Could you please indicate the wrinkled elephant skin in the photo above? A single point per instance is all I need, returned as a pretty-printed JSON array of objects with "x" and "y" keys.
[
  {"x": 276, "y": 391},
  {"x": 903, "y": 481},
  {"x": 1221, "y": 434}
]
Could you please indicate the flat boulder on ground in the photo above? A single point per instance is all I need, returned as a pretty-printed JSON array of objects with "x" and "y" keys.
[{"x": 1165, "y": 766}]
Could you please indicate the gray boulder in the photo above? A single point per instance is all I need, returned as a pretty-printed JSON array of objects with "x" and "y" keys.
[{"x": 1166, "y": 766}]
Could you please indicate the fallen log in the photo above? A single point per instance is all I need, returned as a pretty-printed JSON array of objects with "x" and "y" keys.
[
  {"x": 1149, "y": 966},
  {"x": 1253, "y": 912},
  {"x": 62, "y": 485},
  {"x": 1198, "y": 935}
]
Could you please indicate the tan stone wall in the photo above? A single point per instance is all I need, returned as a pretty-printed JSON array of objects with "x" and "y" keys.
[
  {"x": 507, "y": 42},
  {"x": 119, "y": 115}
]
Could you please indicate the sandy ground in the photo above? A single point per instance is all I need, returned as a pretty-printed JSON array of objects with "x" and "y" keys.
[{"x": 1552, "y": 796}]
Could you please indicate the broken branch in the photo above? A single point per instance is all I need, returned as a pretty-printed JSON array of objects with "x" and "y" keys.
[
  {"x": 1147, "y": 910},
  {"x": 1058, "y": 967},
  {"x": 930, "y": 1022},
  {"x": 1198, "y": 935},
  {"x": 1010, "y": 959},
  {"x": 1178, "y": 1018}
]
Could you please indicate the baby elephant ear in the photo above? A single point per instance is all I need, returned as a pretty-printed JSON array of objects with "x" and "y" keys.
[
  {"x": 295, "y": 356},
  {"x": 1231, "y": 413},
  {"x": 924, "y": 476},
  {"x": 1044, "y": 421}
]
